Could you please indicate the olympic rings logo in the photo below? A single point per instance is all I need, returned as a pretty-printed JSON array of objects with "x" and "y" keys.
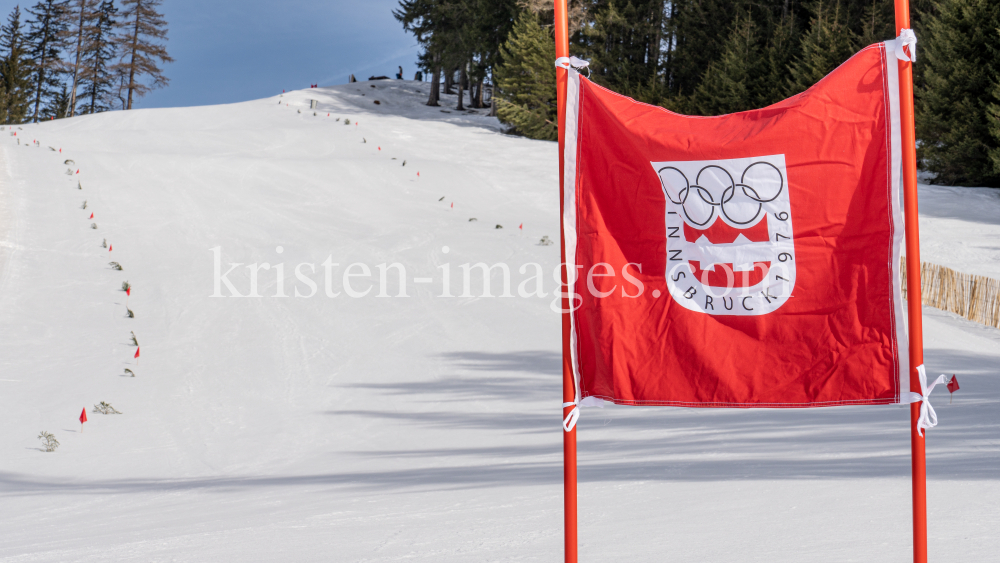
[{"x": 739, "y": 203}]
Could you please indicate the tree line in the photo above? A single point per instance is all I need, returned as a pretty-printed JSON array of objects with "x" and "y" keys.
[
  {"x": 712, "y": 57},
  {"x": 67, "y": 57}
]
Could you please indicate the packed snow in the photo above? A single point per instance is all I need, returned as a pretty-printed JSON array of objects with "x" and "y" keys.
[
  {"x": 387, "y": 428},
  {"x": 960, "y": 228}
]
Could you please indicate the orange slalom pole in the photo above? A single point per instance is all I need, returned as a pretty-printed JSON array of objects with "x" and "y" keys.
[
  {"x": 569, "y": 385},
  {"x": 915, "y": 320}
]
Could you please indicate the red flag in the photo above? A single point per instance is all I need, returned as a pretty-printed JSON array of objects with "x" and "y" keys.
[
  {"x": 83, "y": 415},
  {"x": 380, "y": 148},
  {"x": 418, "y": 173},
  {"x": 953, "y": 384},
  {"x": 521, "y": 226},
  {"x": 744, "y": 260},
  {"x": 128, "y": 291},
  {"x": 136, "y": 352},
  {"x": 77, "y": 170},
  {"x": 110, "y": 247},
  {"x": 453, "y": 205},
  {"x": 91, "y": 215}
]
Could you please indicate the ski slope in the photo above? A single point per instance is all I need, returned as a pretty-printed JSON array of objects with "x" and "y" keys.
[{"x": 418, "y": 428}]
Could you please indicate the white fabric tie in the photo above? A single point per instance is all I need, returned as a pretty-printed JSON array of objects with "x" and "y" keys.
[
  {"x": 567, "y": 62},
  {"x": 906, "y": 39},
  {"x": 928, "y": 418},
  {"x": 570, "y": 421}
]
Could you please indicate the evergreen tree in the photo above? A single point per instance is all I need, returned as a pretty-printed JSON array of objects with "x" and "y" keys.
[
  {"x": 45, "y": 40},
  {"x": 734, "y": 81},
  {"x": 15, "y": 70},
  {"x": 438, "y": 27},
  {"x": 458, "y": 37},
  {"x": 828, "y": 43},
  {"x": 494, "y": 22},
  {"x": 415, "y": 15},
  {"x": 783, "y": 49},
  {"x": 526, "y": 80},
  {"x": 960, "y": 58},
  {"x": 97, "y": 73},
  {"x": 697, "y": 31},
  {"x": 145, "y": 28},
  {"x": 693, "y": 56},
  {"x": 877, "y": 23},
  {"x": 80, "y": 13},
  {"x": 752, "y": 69},
  {"x": 623, "y": 45},
  {"x": 753, "y": 53},
  {"x": 56, "y": 106}
]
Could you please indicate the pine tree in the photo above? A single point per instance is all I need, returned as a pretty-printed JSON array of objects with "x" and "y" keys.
[
  {"x": 751, "y": 71},
  {"x": 145, "y": 29},
  {"x": 423, "y": 19},
  {"x": 732, "y": 83},
  {"x": 435, "y": 69},
  {"x": 960, "y": 57},
  {"x": 45, "y": 39},
  {"x": 526, "y": 80},
  {"x": 623, "y": 44},
  {"x": 688, "y": 55},
  {"x": 877, "y": 23},
  {"x": 783, "y": 48},
  {"x": 97, "y": 72},
  {"x": 458, "y": 37},
  {"x": 80, "y": 12},
  {"x": 828, "y": 43},
  {"x": 493, "y": 23},
  {"x": 15, "y": 69},
  {"x": 697, "y": 30},
  {"x": 56, "y": 107}
]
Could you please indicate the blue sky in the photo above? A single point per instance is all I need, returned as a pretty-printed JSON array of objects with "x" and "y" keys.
[{"x": 235, "y": 50}]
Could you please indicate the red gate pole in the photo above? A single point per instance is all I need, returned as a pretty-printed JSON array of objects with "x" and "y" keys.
[
  {"x": 915, "y": 321},
  {"x": 569, "y": 385}
]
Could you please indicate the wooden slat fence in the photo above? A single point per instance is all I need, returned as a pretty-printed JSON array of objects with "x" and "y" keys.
[{"x": 976, "y": 298}]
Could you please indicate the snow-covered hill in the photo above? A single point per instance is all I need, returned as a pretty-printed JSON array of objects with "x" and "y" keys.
[{"x": 384, "y": 428}]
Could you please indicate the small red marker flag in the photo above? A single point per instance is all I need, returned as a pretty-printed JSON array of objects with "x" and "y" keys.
[
  {"x": 83, "y": 415},
  {"x": 128, "y": 291},
  {"x": 380, "y": 148},
  {"x": 952, "y": 387},
  {"x": 521, "y": 226},
  {"x": 77, "y": 170},
  {"x": 418, "y": 173},
  {"x": 136, "y": 352},
  {"x": 453, "y": 205},
  {"x": 110, "y": 247},
  {"x": 91, "y": 215}
]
